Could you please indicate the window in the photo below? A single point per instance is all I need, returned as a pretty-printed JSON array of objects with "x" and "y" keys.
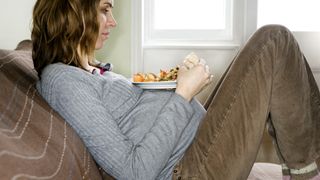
[
  {"x": 297, "y": 15},
  {"x": 193, "y": 15},
  {"x": 163, "y": 31},
  {"x": 201, "y": 21}
]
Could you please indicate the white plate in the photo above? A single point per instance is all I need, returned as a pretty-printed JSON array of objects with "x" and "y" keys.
[{"x": 156, "y": 85}]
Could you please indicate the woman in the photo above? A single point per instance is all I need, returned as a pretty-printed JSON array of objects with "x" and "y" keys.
[{"x": 139, "y": 134}]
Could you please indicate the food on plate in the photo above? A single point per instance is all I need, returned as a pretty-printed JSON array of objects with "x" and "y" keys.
[
  {"x": 139, "y": 77},
  {"x": 164, "y": 75},
  {"x": 150, "y": 77},
  {"x": 170, "y": 75}
]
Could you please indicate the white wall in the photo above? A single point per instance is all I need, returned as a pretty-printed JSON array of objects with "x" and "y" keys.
[
  {"x": 15, "y": 22},
  {"x": 309, "y": 44},
  {"x": 117, "y": 49}
]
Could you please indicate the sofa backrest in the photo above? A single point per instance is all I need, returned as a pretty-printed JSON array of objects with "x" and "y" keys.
[{"x": 35, "y": 142}]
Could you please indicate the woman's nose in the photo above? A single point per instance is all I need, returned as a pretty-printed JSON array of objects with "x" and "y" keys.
[{"x": 111, "y": 21}]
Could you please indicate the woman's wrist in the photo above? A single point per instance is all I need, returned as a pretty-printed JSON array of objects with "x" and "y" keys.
[{"x": 183, "y": 94}]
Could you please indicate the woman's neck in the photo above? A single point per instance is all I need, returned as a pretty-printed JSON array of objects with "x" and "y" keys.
[
  {"x": 85, "y": 62},
  {"x": 86, "y": 66}
]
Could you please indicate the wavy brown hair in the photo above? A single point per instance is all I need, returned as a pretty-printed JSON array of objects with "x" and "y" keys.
[{"x": 64, "y": 31}]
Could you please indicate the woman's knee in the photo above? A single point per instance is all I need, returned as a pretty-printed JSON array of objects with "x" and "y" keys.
[
  {"x": 272, "y": 31},
  {"x": 273, "y": 28}
]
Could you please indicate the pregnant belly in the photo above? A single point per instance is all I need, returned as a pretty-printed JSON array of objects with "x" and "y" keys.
[{"x": 141, "y": 119}]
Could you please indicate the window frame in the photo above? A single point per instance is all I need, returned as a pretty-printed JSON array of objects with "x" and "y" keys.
[
  {"x": 138, "y": 34},
  {"x": 192, "y": 38}
]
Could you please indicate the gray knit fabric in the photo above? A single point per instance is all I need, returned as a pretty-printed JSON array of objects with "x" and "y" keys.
[{"x": 130, "y": 132}]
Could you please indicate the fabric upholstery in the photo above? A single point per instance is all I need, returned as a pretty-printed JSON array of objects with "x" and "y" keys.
[{"x": 35, "y": 142}]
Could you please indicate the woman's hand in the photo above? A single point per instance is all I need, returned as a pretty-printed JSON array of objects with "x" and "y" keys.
[{"x": 193, "y": 76}]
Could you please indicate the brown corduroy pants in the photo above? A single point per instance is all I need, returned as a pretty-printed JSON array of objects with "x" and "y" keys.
[{"x": 269, "y": 81}]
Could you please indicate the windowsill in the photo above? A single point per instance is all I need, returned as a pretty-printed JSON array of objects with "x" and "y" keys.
[{"x": 192, "y": 46}]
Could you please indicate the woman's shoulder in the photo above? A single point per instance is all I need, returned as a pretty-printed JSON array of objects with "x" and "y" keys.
[
  {"x": 60, "y": 70},
  {"x": 60, "y": 74}
]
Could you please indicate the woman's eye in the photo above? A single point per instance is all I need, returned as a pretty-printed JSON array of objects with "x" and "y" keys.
[{"x": 105, "y": 11}]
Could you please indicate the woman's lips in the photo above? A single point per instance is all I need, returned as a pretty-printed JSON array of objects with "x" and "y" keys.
[{"x": 105, "y": 35}]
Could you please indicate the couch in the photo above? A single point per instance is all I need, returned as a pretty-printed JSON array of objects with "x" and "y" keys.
[{"x": 35, "y": 142}]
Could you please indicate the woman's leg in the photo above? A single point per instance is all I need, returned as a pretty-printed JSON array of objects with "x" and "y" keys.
[
  {"x": 268, "y": 77},
  {"x": 309, "y": 143}
]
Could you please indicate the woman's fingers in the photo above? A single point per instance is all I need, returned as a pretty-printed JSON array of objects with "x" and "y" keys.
[
  {"x": 211, "y": 77},
  {"x": 188, "y": 64},
  {"x": 183, "y": 68},
  {"x": 208, "y": 80},
  {"x": 208, "y": 77},
  {"x": 192, "y": 58},
  {"x": 207, "y": 69},
  {"x": 202, "y": 61},
  {"x": 192, "y": 61}
]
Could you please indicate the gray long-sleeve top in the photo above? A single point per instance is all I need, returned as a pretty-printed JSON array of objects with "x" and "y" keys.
[{"x": 130, "y": 132}]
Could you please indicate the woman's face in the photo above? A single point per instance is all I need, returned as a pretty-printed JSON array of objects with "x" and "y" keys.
[{"x": 106, "y": 21}]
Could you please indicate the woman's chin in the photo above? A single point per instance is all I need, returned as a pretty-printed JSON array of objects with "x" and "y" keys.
[{"x": 99, "y": 45}]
